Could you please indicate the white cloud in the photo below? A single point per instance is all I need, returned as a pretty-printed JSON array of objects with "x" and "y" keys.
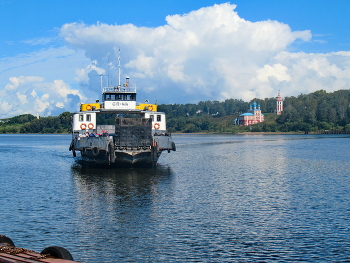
[
  {"x": 278, "y": 71},
  {"x": 16, "y": 83},
  {"x": 32, "y": 95},
  {"x": 21, "y": 93},
  {"x": 207, "y": 54},
  {"x": 59, "y": 105},
  {"x": 39, "y": 41},
  {"x": 41, "y": 106},
  {"x": 311, "y": 72},
  {"x": 6, "y": 108},
  {"x": 82, "y": 73},
  {"x": 22, "y": 98}
]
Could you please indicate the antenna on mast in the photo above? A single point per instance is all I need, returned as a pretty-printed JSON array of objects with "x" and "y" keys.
[
  {"x": 101, "y": 82},
  {"x": 119, "y": 69},
  {"x": 108, "y": 72}
]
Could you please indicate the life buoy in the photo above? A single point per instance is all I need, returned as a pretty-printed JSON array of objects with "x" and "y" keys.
[
  {"x": 156, "y": 126},
  {"x": 83, "y": 126},
  {"x": 91, "y": 125},
  {"x": 88, "y": 107},
  {"x": 150, "y": 108}
]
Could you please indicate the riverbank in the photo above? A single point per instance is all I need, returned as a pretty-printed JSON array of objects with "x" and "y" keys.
[
  {"x": 243, "y": 133},
  {"x": 274, "y": 133}
]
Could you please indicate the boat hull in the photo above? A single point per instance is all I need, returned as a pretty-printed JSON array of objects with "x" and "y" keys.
[
  {"x": 120, "y": 158},
  {"x": 135, "y": 159}
]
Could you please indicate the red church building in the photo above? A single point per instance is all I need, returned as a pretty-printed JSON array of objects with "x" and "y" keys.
[
  {"x": 252, "y": 117},
  {"x": 255, "y": 116}
]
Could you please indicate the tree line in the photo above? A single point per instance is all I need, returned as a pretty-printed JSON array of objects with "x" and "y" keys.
[
  {"x": 314, "y": 112},
  {"x": 27, "y": 123}
]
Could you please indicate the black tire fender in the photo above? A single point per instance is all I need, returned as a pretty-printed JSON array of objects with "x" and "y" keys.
[
  {"x": 71, "y": 146},
  {"x": 83, "y": 152},
  {"x": 57, "y": 252},
  {"x": 111, "y": 152},
  {"x": 6, "y": 240},
  {"x": 95, "y": 151}
]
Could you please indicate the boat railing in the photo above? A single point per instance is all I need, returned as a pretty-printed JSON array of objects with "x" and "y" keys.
[{"x": 119, "y": 89}]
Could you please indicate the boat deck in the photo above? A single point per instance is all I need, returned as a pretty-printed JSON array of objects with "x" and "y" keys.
[{"x": 9, "y": 253}]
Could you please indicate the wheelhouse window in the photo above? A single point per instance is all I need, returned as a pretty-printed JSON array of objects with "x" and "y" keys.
[
  {"x": 152, "y": 117},
  {"x": 88, "y": 117},
  {"x": 81, "y": 117},
  {"x": 159, "y": 118},
  {"x": 124, "y": 97}
]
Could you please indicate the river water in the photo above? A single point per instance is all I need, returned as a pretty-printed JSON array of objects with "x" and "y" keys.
[{"x": 218, "y": 198}]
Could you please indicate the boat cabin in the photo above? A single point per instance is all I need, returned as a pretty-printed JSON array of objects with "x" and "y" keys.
[
  {"x": 118, "y": 101},
  {"x": 87, "y": 122},
  {"x": 119, "y": 98}
]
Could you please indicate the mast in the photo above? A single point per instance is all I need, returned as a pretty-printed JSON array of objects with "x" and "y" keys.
[
  {"x": 108, "y": 84},
  {"x": 119, "y": 69},
  {"x": 101, "y": 83}
]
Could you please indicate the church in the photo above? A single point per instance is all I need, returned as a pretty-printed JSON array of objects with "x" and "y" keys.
[
  {"x": 252, "y": 117},
  {"x": 254, "y": 114}
]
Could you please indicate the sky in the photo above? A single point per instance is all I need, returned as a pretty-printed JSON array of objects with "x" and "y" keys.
[{"x": 54, "y": 54}]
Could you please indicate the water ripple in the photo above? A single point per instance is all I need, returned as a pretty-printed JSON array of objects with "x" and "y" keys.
[{"x": 218, "y": 198}]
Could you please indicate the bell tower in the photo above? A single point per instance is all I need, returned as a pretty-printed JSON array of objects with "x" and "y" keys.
[{"x": 279, "y": 104}]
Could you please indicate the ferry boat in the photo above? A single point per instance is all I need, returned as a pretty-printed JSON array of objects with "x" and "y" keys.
[{"x": 119, "y": 131}]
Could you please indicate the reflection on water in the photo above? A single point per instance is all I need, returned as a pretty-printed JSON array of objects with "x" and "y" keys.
[
  {"x": 128, "y": 176},
  {"x": 218, "y": 198},
  {"x": 117, "y": 206},
  {"x": 123, "y": 184}
]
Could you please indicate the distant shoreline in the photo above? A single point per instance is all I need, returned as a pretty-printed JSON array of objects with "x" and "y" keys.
[
  {"x": 246, "y": 133},
  {"x": 211, "y": 133},
  {"x": 265, "y": 133},
  {"x": 273, "y": 133}
]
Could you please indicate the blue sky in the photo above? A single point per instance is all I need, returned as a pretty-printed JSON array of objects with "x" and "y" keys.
[{"x": 173, "y": 51}]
